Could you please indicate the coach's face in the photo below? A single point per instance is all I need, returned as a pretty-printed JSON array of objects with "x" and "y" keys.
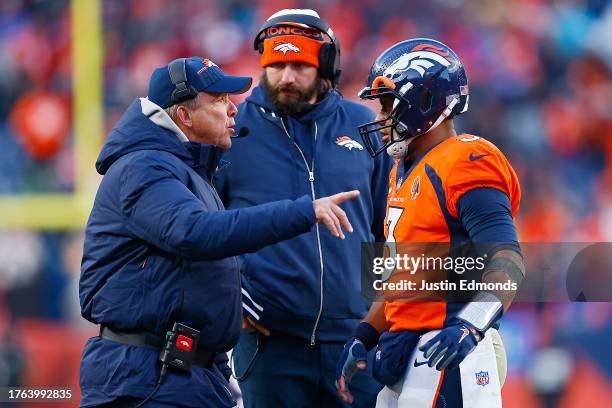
[
  {"x": 211, "y": 121},
  {"x": 291, "y": 84}
]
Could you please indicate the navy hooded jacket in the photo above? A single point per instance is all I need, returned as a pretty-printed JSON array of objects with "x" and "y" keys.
[
  {"x": 309, "y": 286},
  {"x": 159, "y": 247}
]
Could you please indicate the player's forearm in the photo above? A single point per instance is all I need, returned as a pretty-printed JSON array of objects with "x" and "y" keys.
[
  {"x": 505, "y": 265},
  {"x": 487, "y": 307},
  {"x": 376, "y": 317}
]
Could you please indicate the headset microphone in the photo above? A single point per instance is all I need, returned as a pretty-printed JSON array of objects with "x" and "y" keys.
[{"x": 243, "y": 132}]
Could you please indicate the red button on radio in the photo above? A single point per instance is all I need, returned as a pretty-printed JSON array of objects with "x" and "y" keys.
[{"x": 184, "y": 343}]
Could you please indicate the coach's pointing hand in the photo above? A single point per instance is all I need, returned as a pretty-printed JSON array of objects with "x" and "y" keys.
[{"x": 328, "y": 212}]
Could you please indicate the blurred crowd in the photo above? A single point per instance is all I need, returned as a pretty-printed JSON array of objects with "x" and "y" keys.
[{"x": 540, "y": 75}]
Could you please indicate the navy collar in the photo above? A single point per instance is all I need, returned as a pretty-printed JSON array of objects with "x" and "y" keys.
[
  {"x": 205, "y": 158},
  {"x": 402, "y": 174}
]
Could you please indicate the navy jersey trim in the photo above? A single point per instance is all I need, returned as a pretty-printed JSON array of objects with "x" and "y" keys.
[
  {"x": 458, "y": 234},
  {"x": 402, "y": 174}
]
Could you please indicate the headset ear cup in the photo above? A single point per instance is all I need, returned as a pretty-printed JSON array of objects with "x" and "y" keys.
[
  {"x": 260, "y": 47},
  {"x": 326, "y": 61},
  {"x": 336, "y": 72},
  {"x": 329, "y": 63},
  {"x": 177, "y": 97}
]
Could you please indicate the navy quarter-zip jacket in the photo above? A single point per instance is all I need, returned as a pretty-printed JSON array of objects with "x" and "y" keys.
[{"x": 309, "y": 286}]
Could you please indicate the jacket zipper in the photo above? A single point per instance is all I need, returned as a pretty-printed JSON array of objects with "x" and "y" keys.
[{"x": 311, "y": 179}]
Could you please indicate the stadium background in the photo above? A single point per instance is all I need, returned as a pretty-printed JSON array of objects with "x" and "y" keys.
[{"x": 541, "y": 86}]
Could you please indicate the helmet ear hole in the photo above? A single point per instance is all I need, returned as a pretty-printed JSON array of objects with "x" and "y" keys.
[{"x": 426, "y": 101}]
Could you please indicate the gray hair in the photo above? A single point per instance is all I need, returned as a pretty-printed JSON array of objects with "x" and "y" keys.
[{"x": 191, "y": 104}]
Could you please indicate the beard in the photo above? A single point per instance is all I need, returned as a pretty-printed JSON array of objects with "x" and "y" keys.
[{"x": 298, "y": 102}]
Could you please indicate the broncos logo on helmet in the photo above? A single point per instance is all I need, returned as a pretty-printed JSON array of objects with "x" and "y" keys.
[
  {"x": 420, "y": 61},
  {"x": 286, "y": 47}
]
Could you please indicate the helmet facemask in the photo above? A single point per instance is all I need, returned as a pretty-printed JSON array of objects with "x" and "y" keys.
[{"x": 400, "y": 133}]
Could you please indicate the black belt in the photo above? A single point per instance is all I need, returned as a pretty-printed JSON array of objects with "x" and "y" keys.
[{"x": 202, "y": 358}]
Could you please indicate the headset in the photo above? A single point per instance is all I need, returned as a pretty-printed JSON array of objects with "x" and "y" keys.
[
  {"x": 329, "y": 53},
  {"x": 182, "y": 90}
]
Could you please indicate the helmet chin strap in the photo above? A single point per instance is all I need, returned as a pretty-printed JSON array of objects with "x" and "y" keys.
[
  {"x": 445, "y": 114},
  {"x": 398, "y": 150}
]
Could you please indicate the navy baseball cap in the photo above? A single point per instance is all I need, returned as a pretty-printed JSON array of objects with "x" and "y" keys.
[{"x": 202, "y": 75}]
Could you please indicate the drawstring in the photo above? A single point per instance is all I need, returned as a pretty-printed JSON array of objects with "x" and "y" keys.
[{"x": 249, "y": 366}]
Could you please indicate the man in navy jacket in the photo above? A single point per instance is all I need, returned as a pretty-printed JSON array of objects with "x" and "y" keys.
[
  {"x": 159, "y": 247},
  {"x": 302, "y": 295}
]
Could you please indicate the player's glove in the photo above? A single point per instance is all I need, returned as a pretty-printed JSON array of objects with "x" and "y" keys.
[
  {"x": 448, "y": 348},
  {"x": 354, "y": 357},
  {"x": 451, "y": 345}
]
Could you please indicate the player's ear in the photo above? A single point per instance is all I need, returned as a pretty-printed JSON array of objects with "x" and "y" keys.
[{"x": 184, "y": 116}]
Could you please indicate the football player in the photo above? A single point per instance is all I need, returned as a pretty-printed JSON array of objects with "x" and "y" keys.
[{"x": 445, "y": 187}]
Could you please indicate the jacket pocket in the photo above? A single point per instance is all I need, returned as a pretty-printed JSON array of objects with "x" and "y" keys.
[{"x": 119, "y": 306}]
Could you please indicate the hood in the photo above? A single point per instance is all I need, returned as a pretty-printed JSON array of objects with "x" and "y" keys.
[
  {"x": 145, "y": 126},
  {"x": 325, "y": 107}
]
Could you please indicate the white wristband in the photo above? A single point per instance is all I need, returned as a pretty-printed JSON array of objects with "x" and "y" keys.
[{"x": 482, "y": 311}]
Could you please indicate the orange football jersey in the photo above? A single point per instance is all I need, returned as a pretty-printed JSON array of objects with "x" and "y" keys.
[{"x": 422, "y": 208}]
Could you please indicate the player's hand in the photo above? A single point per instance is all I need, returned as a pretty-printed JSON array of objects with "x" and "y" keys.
[
  {"x": 329, "y": 213},
  {"x": 250, "y": 325},
  {"x": 450, "y": 346},
  {"x": 352, "y": 359}
]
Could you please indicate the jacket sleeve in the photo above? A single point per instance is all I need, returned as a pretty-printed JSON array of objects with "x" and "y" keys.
[{"x": 159, "y": 209}]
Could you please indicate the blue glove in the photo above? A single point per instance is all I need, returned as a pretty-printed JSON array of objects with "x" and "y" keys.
[
  {"x": 354, "y": 352},
  {"x": 450, "y": 346}
]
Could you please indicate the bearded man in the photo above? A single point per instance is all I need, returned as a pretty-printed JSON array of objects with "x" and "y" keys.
[{"x": 301, "y": 298}]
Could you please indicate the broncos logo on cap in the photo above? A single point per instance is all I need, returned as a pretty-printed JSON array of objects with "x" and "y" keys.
[
  {"x": 349, "y": 143},
  {"x": 418, "y": 60},
  {"x": 207, "y": 64},
  {"x": 286, "y": 47}
]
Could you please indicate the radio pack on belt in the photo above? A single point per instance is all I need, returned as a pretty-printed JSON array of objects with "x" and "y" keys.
[{"x": 180, "y": 347}]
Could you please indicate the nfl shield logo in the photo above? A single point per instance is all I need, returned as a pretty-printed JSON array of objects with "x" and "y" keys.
[{"x": 482, "y": 378}]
